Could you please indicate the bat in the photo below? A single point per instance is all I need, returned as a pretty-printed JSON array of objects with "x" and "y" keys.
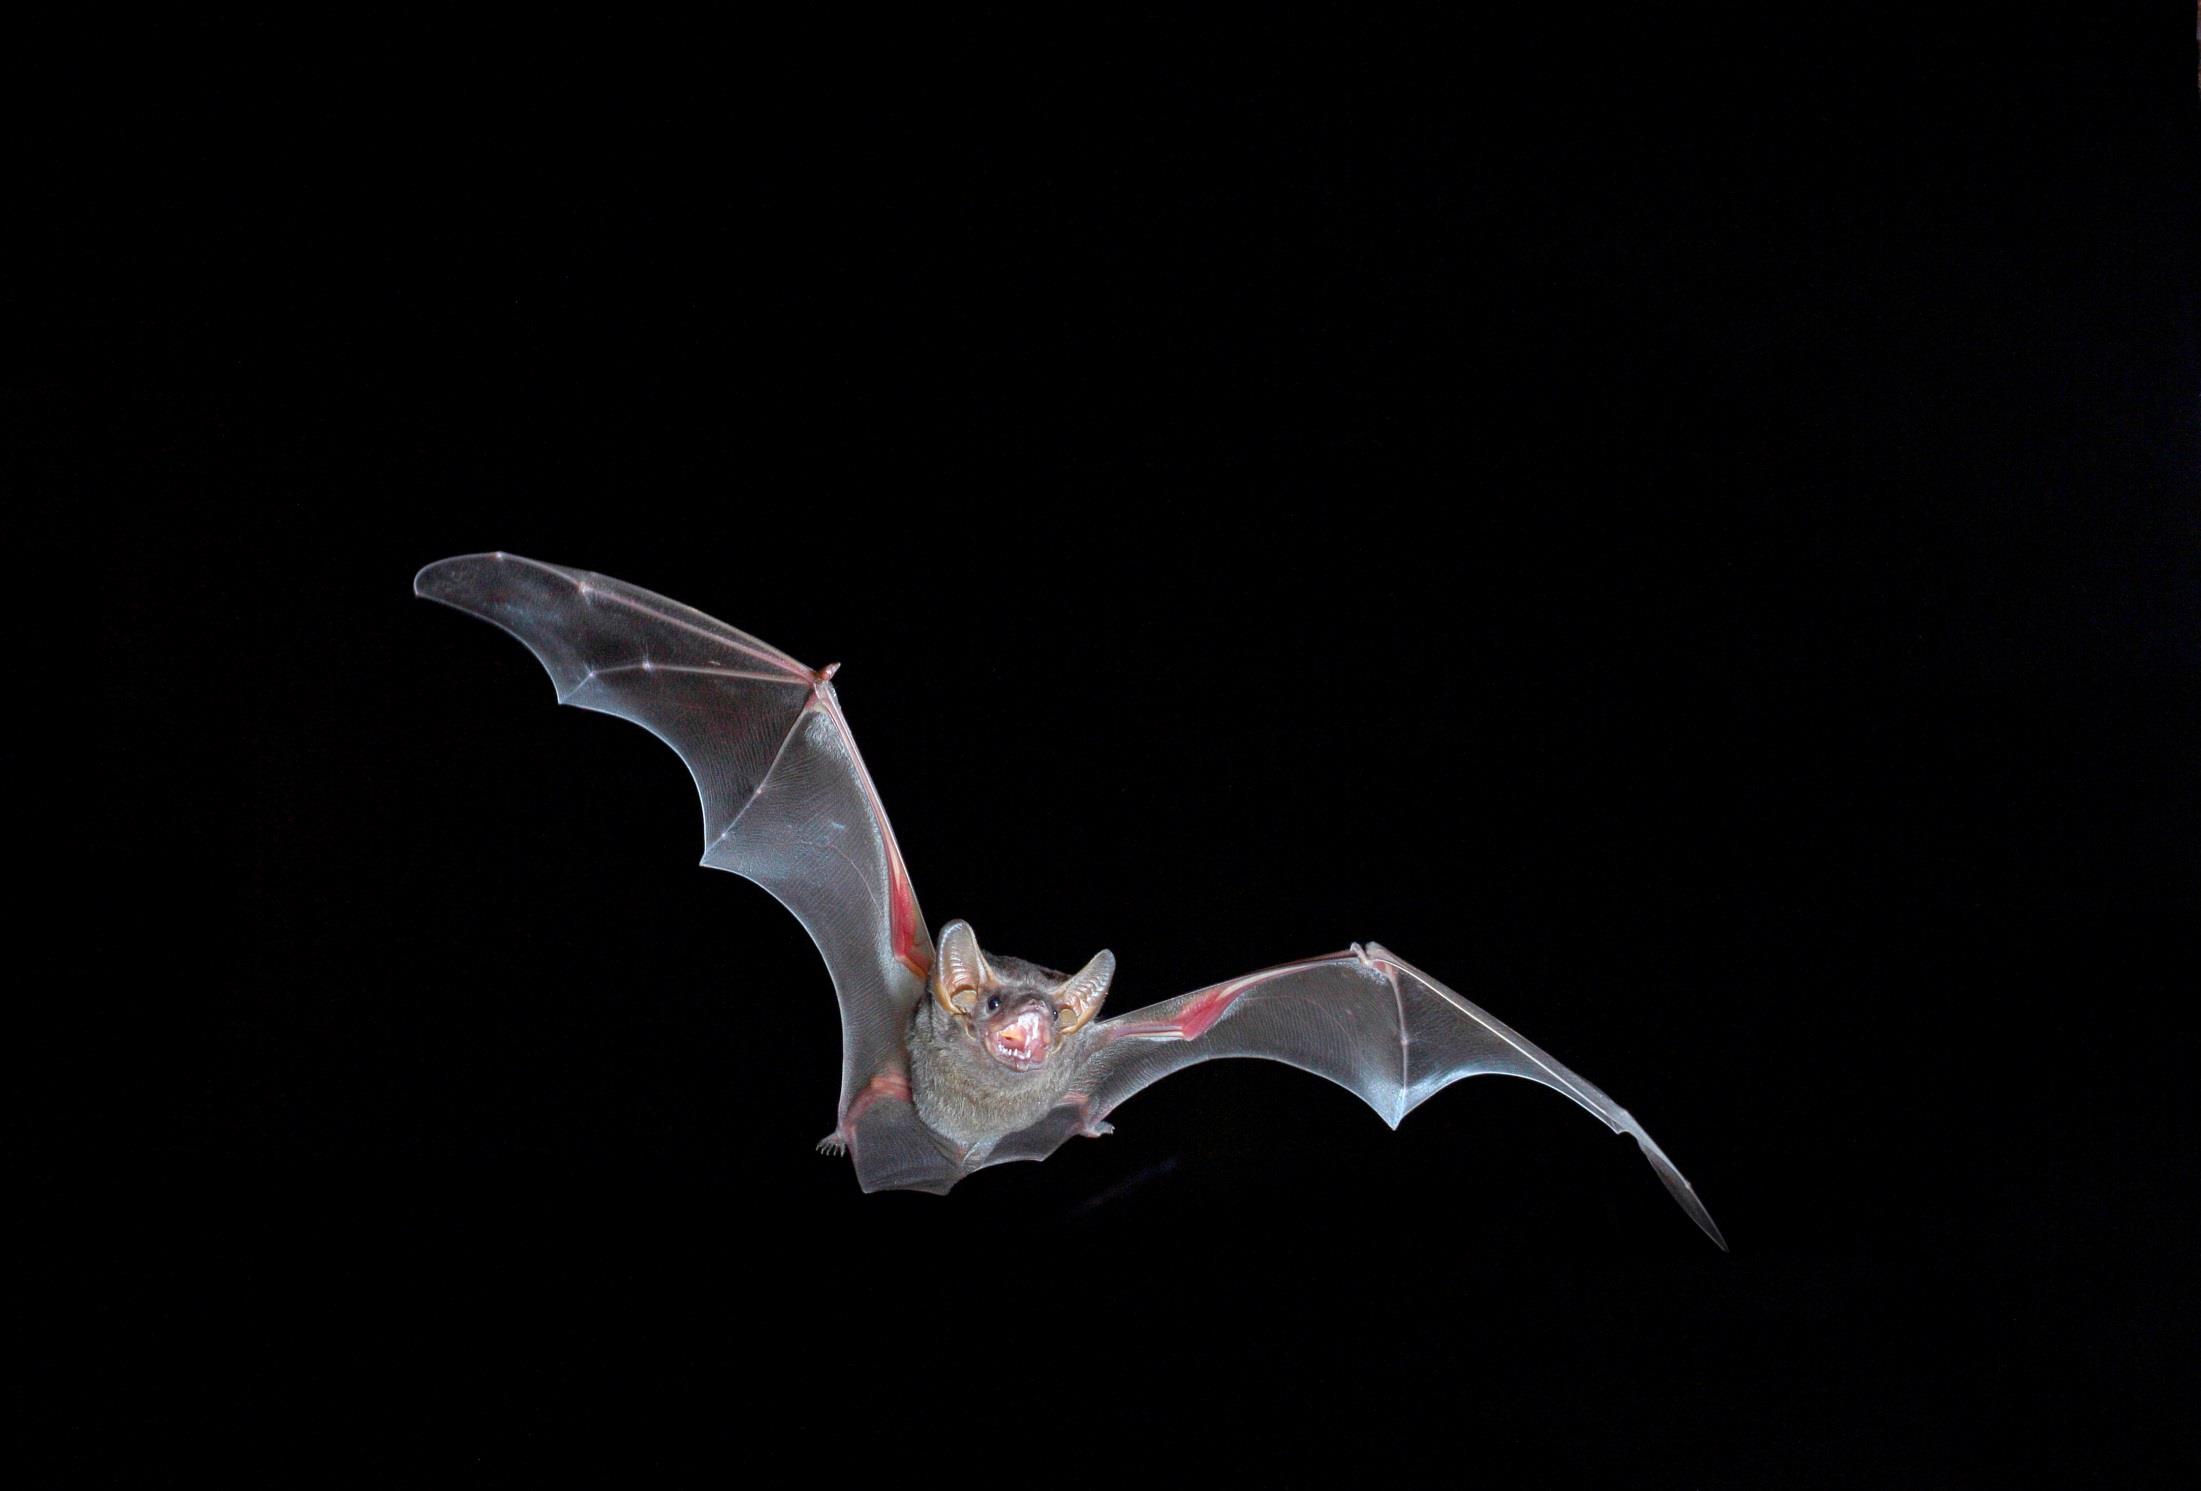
[{"x": 953, "y": 1058}]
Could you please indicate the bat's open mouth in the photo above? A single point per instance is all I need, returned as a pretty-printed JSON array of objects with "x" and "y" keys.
[{"x": 1023, "y": 1043}]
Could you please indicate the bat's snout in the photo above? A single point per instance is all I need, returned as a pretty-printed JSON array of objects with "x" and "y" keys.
[{"x": 1024, "y": 1042}]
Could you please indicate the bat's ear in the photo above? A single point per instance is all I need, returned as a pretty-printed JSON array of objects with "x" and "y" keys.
[
  {"x": 1080, "y": 999},
  {"x": 960, "y": 971}
]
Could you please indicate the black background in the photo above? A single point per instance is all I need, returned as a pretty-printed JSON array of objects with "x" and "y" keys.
[{"x": 1679, "y": 523}]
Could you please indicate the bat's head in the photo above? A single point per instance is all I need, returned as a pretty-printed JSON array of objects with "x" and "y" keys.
[{"x": 1019, "y": 1013}]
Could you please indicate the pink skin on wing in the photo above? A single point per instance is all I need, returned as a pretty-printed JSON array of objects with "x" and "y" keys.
[
  {"x": 902, "y": 920},
  {"x": 1193, "y": 1021},
  {"x": 909, "y": 949},
  {"x": 888, "y": 1084}
]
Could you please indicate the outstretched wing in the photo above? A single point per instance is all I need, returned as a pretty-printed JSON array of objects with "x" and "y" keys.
[
  {"x": 1366, "y": 1019},
  {"x": 786, "y": 803}
]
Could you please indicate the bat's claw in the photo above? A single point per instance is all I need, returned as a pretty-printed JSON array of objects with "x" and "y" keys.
[
  {"x": 833, "y": 1143},
  {"x": 1098, "y": 1129}
]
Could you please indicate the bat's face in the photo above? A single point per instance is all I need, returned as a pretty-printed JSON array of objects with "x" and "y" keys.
[
  {"x": 1018, "y": 1029},
  {"x": 1020, "y": 1014}
]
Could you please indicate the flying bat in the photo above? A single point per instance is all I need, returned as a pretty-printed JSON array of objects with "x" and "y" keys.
[{"x": 953, "y": 1058}]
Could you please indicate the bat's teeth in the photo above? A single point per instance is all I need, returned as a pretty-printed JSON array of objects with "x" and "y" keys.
[{"x": 1024, "y": 1042}]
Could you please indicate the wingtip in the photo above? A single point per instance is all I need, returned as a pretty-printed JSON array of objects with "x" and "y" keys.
[
  {"x": 1670, "y": 1176},
  {"x": 1677, "y": 1186},
  {"x": 424, "y": 578},
  {"x": 1686, "y": 1194}
]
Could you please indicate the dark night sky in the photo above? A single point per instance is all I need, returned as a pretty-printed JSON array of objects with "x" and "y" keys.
[{"x": 1682, "y": 525}]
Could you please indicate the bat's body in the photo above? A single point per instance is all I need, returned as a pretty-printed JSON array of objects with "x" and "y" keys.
[
  {"x": 954, "y": 1059},
  {"x": 974, "y": 1089}
]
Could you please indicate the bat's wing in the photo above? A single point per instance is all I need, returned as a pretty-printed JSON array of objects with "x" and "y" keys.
[
  {"x": 1365, "y": 1019},
  {"x": 786, "y": 803}
]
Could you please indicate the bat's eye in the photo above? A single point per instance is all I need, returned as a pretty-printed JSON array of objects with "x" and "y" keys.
[{"x": 993, "y": 1003}]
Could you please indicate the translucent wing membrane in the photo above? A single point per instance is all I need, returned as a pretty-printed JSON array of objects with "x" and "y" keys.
[
  {"x": 1367, "y": 1020},
  {"x": 720, "y": 698},
  {"x": 786, "y": 800}
]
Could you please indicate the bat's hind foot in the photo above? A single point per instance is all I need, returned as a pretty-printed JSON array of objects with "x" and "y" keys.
[
  {"x": 1089, "y": 1127},
  {"x": 835, "y": 1143}
]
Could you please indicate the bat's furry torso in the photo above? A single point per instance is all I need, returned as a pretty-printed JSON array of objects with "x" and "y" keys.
[{"x": 967, "y": 1097}]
